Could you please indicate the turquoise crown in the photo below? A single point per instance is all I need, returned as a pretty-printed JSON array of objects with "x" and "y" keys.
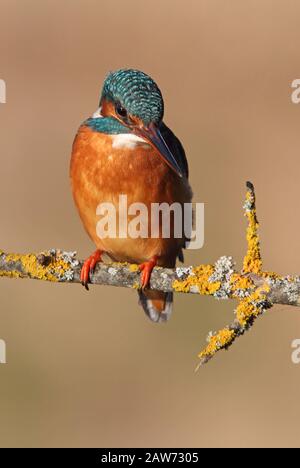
[{"x": 136, "y": 92}]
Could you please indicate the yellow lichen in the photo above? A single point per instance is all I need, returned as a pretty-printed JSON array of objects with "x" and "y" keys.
[
  {"x": 199, "y": 278},
  {"x": 248, "y": 308},
  {"x": 240, "y": 282},
  {"x": 272, "y": 275},
  {"x": 252, "y": 261},
  {"x": 11, "y": 274},
  {"x": 220, "y": 340},
  {"x": 31, "y": 267}
]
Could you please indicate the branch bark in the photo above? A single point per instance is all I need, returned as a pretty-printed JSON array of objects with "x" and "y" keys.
[
  {"x": 254, "y": 289},
  {"x": 62, "y": 266}
]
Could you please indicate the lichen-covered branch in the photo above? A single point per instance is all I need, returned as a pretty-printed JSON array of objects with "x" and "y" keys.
[{"x": 254, "y": 289}]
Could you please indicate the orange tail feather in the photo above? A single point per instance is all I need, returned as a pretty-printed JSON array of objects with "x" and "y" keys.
[{"x": 156, "y": 304}]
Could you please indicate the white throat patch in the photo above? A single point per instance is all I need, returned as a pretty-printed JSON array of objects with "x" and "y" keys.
[
  {"x": 128, "y": 140},
  {"x": 97, "y": 114},
  {"x": 123, "y": 140}
]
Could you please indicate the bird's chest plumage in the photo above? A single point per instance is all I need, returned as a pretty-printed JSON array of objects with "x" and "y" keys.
[{"x": 105, "y": 166}]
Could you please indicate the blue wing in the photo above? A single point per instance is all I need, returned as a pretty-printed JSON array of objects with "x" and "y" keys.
[
  {"x": 179, "y": 154},
  {"x": 176, "y": 148}
]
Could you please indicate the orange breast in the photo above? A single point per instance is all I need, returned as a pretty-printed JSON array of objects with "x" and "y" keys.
[{"x": 102, "y": 170}]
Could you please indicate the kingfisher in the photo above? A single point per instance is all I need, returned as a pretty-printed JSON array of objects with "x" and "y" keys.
[{"x": 125, "y": 148}]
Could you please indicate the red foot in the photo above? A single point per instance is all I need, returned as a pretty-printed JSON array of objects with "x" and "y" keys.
[
  {"x": 88, "y": 267},
  {"x": 146, "y": 269}
]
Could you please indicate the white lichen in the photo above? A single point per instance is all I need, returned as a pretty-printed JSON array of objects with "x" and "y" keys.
[
  {"x": 242, "y": 293},
  {"x": 291, "y": 289},
  {"x": 210, "y": 336},
  {"x": 248, "y": 206},
  {"x": 112, "y": 271},
  {"x": 183, "y": 272},
  {"x": 70, "y": 258},
  {"x": 68, "y": 275},
  {"x": 223, "y": 269}
]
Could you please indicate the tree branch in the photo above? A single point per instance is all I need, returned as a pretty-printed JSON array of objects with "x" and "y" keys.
[{"x": 254, "y": 289}]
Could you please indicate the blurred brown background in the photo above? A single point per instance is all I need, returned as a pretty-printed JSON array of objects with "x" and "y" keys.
[{"x": 90, "y": 369}]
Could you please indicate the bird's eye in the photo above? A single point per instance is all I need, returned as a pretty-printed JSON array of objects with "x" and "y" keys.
[{"x": 121, "y": 111}]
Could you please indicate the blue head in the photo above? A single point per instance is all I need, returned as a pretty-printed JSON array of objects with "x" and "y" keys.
[
  {"x": 136, "y": 94},
  {"x": 133, "y": 103}
]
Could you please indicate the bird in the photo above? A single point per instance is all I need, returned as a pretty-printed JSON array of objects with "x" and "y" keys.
[{"x": 126, "y": 148}]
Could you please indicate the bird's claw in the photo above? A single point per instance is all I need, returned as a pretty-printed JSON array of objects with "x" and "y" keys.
[
  {"x": 88, "y": 268},
  {"x": 146, "y": 270}
]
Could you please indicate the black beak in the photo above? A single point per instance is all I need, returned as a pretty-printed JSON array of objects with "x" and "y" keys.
[{"x": 154, "y": 136}]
